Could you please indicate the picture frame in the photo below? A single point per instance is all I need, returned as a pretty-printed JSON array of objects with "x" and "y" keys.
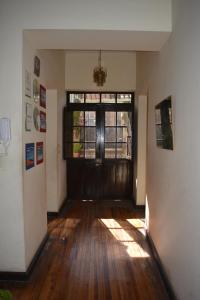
[
  {"x": 36, "y": 90},
  {"x": 36, "y": 118},
  {"x": 163, "y": 123},
  {"x": 39, "y": 152},
  {"x": 42, "y": 96},
  {"x": 27, "y": 84},
  {"x": 37, "y": 66},
  {"x": 42, "y": 121},
  {"x": 29, "y": 155},
  {"x": 29, "y": 117}
]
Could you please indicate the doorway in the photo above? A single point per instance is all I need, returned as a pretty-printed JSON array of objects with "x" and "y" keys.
[{"x": 98, "y": 145}]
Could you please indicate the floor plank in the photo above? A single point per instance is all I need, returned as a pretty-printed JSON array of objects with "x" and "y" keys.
[{"x": 96, "y": 250}]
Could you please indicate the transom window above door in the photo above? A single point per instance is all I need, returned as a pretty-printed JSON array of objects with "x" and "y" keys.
[{"x": 100, "y": 97}]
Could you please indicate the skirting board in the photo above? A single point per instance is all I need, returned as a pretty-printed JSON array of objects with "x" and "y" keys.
[
  {"x": 56, "y": 214},
  {"x": 161, "y": 268},
  {"x": 24, "y": 276}
]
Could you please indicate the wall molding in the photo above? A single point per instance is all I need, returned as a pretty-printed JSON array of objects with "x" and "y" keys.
[
  {"x": 24, "y": 276},
  {"x": 161, "y": 268}
]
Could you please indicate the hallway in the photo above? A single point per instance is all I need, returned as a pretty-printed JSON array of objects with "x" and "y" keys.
[{"x": 95, "y": 250}]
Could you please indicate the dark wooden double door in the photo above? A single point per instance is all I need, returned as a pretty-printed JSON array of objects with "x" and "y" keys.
[{"x": 98, "y": 150}]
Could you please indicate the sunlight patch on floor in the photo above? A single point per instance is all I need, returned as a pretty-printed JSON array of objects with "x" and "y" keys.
[{"x": 132, "y": 247}]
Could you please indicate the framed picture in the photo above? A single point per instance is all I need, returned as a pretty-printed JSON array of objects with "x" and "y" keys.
[
  {"x": 42, "y": 96},
  {"x": 27, "y": 84},
  {"x": 39, "y": 153},
  {"x": 29, "y": 155},
  {"x": 36, "y": 90},
  {"x": 36, "y": 118},
  {"x": 42, "y": 121},
  {"x": 163, "y": 120},
  {"x": 29, "y": 117},
  {"x": 37, "y": 66}
]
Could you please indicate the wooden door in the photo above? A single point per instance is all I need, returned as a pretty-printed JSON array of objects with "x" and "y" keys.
[{"x": 98, "y": 149}]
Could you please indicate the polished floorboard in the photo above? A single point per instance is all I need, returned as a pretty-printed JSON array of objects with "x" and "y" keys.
[{"x": 95, "y": 251}]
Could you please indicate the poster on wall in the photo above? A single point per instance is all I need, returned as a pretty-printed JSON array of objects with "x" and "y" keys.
[
  {"x": 37, "y": 66},
  {"x": 42, "y": 96},
  {"x": 29, "y": 155},
  {"x": 27, "y": 84},
  {"x": 29, "y": 117},
  {"x": 42, "y": 121},
  {"x": 39, "y": 152}
]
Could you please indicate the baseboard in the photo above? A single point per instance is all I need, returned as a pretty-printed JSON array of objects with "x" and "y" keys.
[
  {"x": 56, "y": 214},
  {"x": 24, "y": 276},
  {"x": 161, "y": 268}
]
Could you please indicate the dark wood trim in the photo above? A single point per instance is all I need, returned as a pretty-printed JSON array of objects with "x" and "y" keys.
[
  {"x": 57, "y": 213},
  {"x": 161, "y": 268},
  {"x": 24, "y": 276}
]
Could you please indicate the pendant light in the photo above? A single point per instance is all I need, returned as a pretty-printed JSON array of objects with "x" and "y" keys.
[{"x": 99, "y": 73}]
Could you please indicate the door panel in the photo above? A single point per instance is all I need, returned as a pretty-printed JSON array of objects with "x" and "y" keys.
[{"x": 99, "y": 148}]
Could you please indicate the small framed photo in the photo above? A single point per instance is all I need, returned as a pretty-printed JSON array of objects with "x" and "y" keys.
[
  {"x": 27, "y": 84},
  {"x": 37, "y": 66},
  {"x": 42, "y": 96},
  {"x": 29, "y": 117},
  {"x": 39, "y": 152},
  {"x": 43, "y": 122},
  {"x": 29, "y": 155}
]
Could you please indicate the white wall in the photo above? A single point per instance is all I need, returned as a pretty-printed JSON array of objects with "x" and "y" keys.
[
  {"x": 15, "y": 16},
  {"x": 34, "y": 180},
  {"x": 173, "y": 176},
  {"x": 52, "y": 151},
  {"x": 121, "y": 70},
  {"x": 141, "y": 150}
]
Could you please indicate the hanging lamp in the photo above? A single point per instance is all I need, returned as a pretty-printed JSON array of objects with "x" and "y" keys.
[{"x": 99, "y": 73}]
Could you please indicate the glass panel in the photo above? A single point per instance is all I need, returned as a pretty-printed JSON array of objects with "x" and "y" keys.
[
  {"x": 110, "y": 118},
  {"x": 92, "y": 98},
  {"x": 90, "y": 118},
  {"x": 122, "y": 150},
  {"x": 110, "y": 134},
  {"x": 78, "y": 150},
  {"x": 110, "y": 150},
  {"x": 90, "y": 134},
  {"x": 123, "y": 98},
  {"x": 108, "y": 98},
  {"x": 76, "y": 98},
  {"x": 90, "y": 150},
  {"x": 78, "y": 118},
  {"x": 124, "y": 119},
  {"x": 78, "y": 134},
  {"x": 122, "y": 134}
]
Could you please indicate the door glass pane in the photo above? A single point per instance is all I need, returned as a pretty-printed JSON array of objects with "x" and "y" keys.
[
  {"x": 90, "y": 118},
  {"x": 78, "y": 150},
  {"x": 108, "y": 98},
  {"x": 123, "y": 98},
  {"x": 122, "y": 150},
  {"x": 92, "y": 98},
  {"x": 122, "y": 134},
  {"x": 90, "y": 134},
  {"x": 110, "y": 150},
  {"x": 78, "y": 134},
  {"x": 110, "y": 118},
  {"x": 76, "y": 98},
  {"x": 110, "y": 134},
  {"x": 90, "y": 150},
  {"x": 124, "y": 118},
  {"x": 78, "y": 118}
]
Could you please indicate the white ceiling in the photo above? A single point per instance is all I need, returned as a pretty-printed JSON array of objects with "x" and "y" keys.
[{"x": 97, "y": 39}]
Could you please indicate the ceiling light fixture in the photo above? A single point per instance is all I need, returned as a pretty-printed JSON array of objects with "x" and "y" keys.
[{"x": 99, "y": 73}]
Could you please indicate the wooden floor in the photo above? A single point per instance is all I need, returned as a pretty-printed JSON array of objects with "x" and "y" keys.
[{"x": 95, "y": 251}]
